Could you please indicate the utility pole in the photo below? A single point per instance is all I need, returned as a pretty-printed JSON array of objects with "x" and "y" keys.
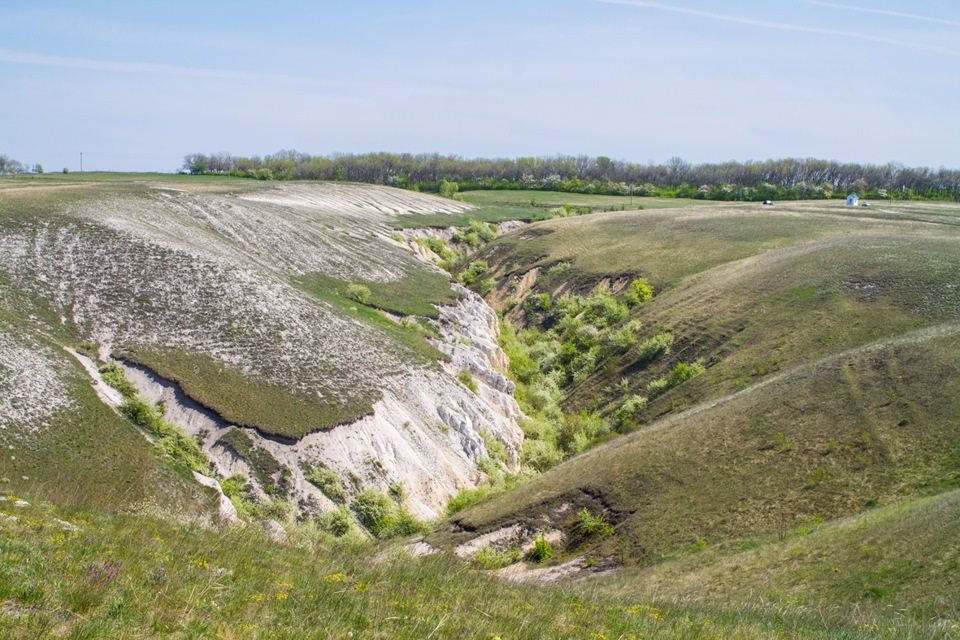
[{"x": 81, "y": 162}]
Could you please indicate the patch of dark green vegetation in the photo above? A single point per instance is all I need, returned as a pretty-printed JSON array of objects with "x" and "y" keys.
[
  {"x": 567, "y": 341},
  {"x": 240, "y": 400},
  {"x": 326, "y": 479},
  {"x": 168, "y": 438},
  {"x": 272, "y": 476},
  {"x": 409, "y": 334},
  {"x": 384, "y": 517},
  {"x": 414, "y": 294},
  {"x": 487, "y": 214}
]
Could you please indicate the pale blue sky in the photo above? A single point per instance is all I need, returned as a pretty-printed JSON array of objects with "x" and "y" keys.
[{"x": 135, "y": 86}]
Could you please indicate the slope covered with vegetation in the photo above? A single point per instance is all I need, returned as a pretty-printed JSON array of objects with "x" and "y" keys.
[
  {"x": 793, "y": 367},
  {"x": 740, "y": 419}
]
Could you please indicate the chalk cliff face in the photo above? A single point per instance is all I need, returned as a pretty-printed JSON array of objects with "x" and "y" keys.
[
  {"x": 212, "y": 274},
  {"x": 428, "y": 437}
]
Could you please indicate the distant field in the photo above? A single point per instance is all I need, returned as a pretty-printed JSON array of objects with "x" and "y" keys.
[
  {"x": 667, "y": 245},
  {"x": 530, "y": 206},
  {"x": 509, "y": 197}
]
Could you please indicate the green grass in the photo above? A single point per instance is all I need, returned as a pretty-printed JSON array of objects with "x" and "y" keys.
[
  {"x": 86, "y": 455},
  {"x": 415, "y": 293},
  {"x": 872, "y": 426},
  {"x": 753, "y": 320},
  {"x": 550, "y": 199},
  {"x": 241, "y": 400},
  {"x": 132, "y": 576},
  {"x": 851, "y": 568},
  {"x": 667, "y": 246},
  {"x": 408, "y": 337},
  {"x": 500, "y": 206}
]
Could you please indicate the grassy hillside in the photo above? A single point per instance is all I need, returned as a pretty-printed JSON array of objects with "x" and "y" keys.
[
  {"x": 668, "y": 245},
  {"x": 752, "y": 318},
  {"x": 851, "y": 569},
  {"x": 223, "y": 285},
  {"x": 59, "y": 440},
  {"x": 828, "y": 338},
  {"x": 872, "y": 426},
  {"x": 117, "y": 576}
]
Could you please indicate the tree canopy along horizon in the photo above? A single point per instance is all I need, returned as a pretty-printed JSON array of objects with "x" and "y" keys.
[{"x": 783, "y": 179}]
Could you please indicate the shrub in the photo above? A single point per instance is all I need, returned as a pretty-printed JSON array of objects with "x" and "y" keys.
[
  {"x": 338, "y": 522},
  {"x": 495, "y": 449},
  {"x": 403, "y": 523},
  {"x": 358, "y": 292},
  {"x": 466, "y": 379},
  {"x": 653, "y": 348},
  {"x": 486, "y": 232},
  {"x": 625, "y": 338},
  {"x": 542, "y": 551},
  {"x": 490, "y": 558},
  {"x": 438, "y": 246},
  {"x": 558, "y": 269},
  {"x": 658, "y": 387},
  {"x": 449, "y": 189},
  {"x": 473, "y": 271},
  {"x": 398, "y": 492},
  {"x": 112, "y": 374},
  {"x": 638, "y": 292},
  {"x": 373, "y": 510},
  {"x": 579, "y": 431},
  {"x": 383, "y": 518},
  {"x": 539, "y": 303},
  {"x": 603, "y": 310},
  {"x": 327, "y": 480},
  {"x": 465, "y": 237},
  {"x": 630, "y": 408},
  {"x": 541, "y": 454},
  {"x": 588, "y": 525},
  {"x": 167, "y": 438},
  {"x": 683, "y": 372},
  {"x": 486, "y": 286},
  {"x": 280, "y": 510}
]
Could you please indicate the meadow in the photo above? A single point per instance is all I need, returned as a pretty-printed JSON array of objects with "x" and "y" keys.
[{"x": 87, "y": 574}]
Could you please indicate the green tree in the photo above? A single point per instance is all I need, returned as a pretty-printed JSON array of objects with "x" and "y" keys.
[
  {"x": 449, "y": 189},
  {"x": 638, "y": 292}
]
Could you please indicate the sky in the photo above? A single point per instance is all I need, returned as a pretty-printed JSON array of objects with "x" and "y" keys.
[{"x": 135, "y": 86}]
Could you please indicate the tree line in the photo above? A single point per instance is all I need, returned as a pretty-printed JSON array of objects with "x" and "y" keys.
[
  {"x": 9, "y": 166},
  {"x": 789, "y": 178}
]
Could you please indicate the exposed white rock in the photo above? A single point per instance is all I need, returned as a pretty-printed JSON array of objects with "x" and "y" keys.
[
  {"x": 227, "y": 512},
  {"x": 211, "y": 274},
  {"x": 31, "y": 387}
]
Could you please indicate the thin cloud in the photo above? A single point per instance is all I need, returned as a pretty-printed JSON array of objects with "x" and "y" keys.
[
  {"x": 883, "y": 12},
  {"x": 780, "y": 26},
  {"x": 30, "y": 58}
]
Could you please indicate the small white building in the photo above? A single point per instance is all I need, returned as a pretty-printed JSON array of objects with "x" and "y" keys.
[{"x": 852, "y": 200}]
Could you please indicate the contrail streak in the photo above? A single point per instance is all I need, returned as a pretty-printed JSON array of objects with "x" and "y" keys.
[
  {"x": 27, "y": 57},
  {"x": 780, "y": 26},
  {"x": 883, "y": 12}
]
